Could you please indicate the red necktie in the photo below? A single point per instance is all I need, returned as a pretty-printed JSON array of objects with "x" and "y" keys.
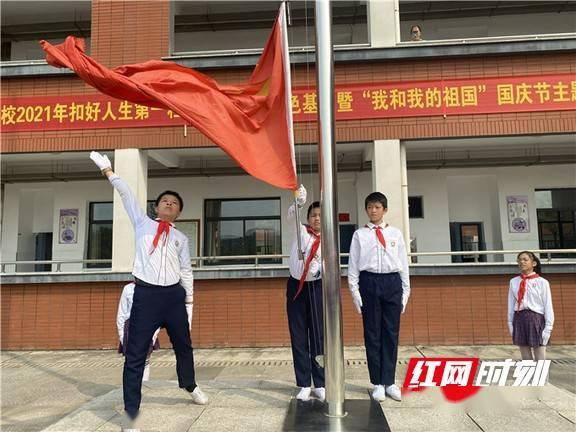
[
  {"x": 163, "y": 226},
  {"x": 379, "y": 234},
  {"x": 313, "y": 251},
  {"x": 522, "y": 289}
]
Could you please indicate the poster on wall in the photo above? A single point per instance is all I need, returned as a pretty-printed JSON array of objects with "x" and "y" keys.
[
  {"x": 518, "y": 220},
  {"x": 68, "y": 226}
]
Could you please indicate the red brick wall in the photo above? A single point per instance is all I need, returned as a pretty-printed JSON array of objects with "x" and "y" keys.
[
  {"x": 125, "y": 32},
  {"x": 446, "y": 310}
]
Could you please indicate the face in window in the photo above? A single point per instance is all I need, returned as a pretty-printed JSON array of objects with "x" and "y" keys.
[
  {"x": 168, "y": 208},
  {"x": 415, "y": 33},
  {"x": 375, "y": 212}
]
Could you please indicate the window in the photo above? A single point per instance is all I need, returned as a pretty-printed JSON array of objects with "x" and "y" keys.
[
  {"x": 556, "y": 210},
  {"x": 467, "y": 236},
  {"x": 99, "y": 233},
  {"x": 233, "y": 25},
  {"x": 242, "y": 227},
  {"x": 445, "y": 20},
  {"x": 415, "y": 207},
  {"x": 24, "y": 23},
  {"x": 150, "y": 210}
]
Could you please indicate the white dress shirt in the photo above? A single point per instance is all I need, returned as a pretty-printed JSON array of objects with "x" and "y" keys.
[
  {"x": 307, "y": 240},
  {"x": 169, "y": 263},
  {"x": 367, "y": 254},
  {"x": 537, "y": 298},
  {"x": 124, "y": 309}
]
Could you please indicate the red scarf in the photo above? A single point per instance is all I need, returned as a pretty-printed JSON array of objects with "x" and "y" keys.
[
  {"x": 313, "y": 251},
  {"x": 163, "y": 226},
  {"x": 522, "y": 289},
  {"x": 379, "y": 234}
]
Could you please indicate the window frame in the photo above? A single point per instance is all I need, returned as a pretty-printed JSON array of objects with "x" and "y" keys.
[
  {"x": 207, "y": 220},
  {"x": 89, "y": 234},
  {"x": 173, "y": 54},
  {"x": 421, "y": 198}
]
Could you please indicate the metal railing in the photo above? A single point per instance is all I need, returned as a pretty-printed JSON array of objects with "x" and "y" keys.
[
  {"x": 57, "y": 263},
  {"x": 203, "y": 263},
  {"x": 487, "y": 39}
]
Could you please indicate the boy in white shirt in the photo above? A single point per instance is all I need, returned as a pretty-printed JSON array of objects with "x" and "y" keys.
[
  {"x": 380, "y": 286},
  {"x": 164, "y": 286}
]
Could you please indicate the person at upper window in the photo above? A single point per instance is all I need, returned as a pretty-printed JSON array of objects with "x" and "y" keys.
[{"x": 416, "y": 33}]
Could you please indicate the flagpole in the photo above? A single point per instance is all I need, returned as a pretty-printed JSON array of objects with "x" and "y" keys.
[
  {"x": 289, "y": 120},
  {"x": 333, "y": 345}
]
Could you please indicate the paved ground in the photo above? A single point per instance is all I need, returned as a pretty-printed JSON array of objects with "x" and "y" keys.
[{"x": 250, "y": 390}]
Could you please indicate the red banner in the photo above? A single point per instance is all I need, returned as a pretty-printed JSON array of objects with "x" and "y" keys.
[{"x": 352, "y": 102}]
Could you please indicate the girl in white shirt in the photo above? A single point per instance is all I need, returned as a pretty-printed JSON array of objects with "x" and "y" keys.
[
  {"x": 530, "y": 312},
  {"x": 304, "y": 301}
]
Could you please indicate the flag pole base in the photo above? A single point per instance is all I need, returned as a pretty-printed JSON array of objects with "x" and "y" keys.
[{"x": 360, "y": 415}]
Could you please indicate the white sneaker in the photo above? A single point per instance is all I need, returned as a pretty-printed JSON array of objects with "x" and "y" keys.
[
  {"x": 379, "y": 393},
  {"x": 394, "y": 392},
  {"x": 320, "y": 393},
  {"x": 304, "y": 394},
  {"x": 198, "y": 396},
  {"x": 129, "y": 425},
  {"x": 146, "y": 375}
]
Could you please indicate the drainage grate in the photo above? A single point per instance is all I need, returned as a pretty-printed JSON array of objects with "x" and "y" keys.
[
  {"x": 564, "y": 361},
  {"x": 105, "y": 364}
]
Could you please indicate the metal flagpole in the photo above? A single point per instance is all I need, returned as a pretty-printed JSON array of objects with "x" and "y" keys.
[
  {"x": 333, "y": 345},
  {"x": 351, "y": 415}
]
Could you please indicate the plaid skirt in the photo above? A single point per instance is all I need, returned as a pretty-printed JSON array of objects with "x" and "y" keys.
[
  {"x": 124, "y": 344},
  {"x": 527, "y": 327}
]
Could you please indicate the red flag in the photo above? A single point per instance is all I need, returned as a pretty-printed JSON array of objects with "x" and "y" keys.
[{"x": 248, "y": 121}]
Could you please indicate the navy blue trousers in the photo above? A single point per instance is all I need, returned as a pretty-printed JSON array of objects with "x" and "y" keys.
[
  {"x": 306, "y": 324},
  {"x": 153, "y": 307},
  {"x": 381, "y": 310}
]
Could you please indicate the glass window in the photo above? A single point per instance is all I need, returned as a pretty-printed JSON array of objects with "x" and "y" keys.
[
  {"x": 100, "y": 216},
  {"x": 557, "y": 220},
  {"x": 150, "y": 210},
  {"x": 415, "y": 207},
  {"x": 465, "y": 19},
  {"x": 242, "y": 227},
  {"x": 233, "y": 25},
  {"x": 24, "y": 23}
]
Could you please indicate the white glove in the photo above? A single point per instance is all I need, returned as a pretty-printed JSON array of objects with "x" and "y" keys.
[
  {"x": 100, "y": 160},
  {"x": 189, "y": 313},
  {"x": 546, "y": 337},
  {"x": 404, "y": 303},
  {"x": 511, "y": 329},
  {"x": 357, "y": 300},
  {"x": 404, "y": 308},
  {"x": 300, "y": 195}
]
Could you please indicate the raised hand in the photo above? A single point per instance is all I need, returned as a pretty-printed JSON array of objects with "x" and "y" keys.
[{"x": 100, "y": 160}]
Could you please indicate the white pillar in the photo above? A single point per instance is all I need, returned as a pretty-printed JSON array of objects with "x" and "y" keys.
[
  {"x": 132, "y": 166},
  {"x": 389, "y": 177},
  {"x": 10, "y": 224},
  {"x": 383, "y": 23}
]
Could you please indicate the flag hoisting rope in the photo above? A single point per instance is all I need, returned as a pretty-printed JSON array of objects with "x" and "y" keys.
[{"x": 282, "y": 16}]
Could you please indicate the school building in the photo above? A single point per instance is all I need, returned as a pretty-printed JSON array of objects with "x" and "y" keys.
[{"x": 470, "y": 132}]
